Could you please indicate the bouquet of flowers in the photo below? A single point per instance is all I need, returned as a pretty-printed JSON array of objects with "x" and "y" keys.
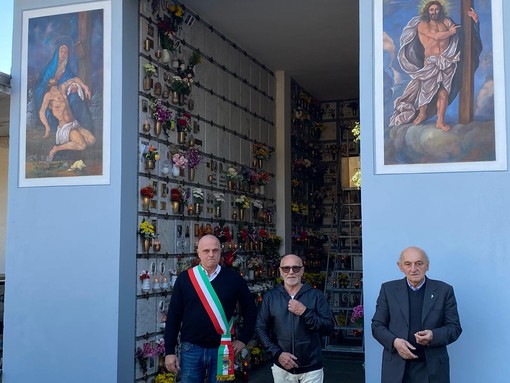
[
  {"x": 188, "y": 71},
  {"x": 194, "y": 157},
  {"x": 148, "y": 191},
  {"x": 263, "y": 235},
  {"x": 184, "y": 122},
  {"x": 150, "y": 70},
  {"x": 151, "y": 153},
  {"x": 176, "y": 195},
  {"x": 147, "y": 230},
  {"x": 181, "y": 85},
  {"x": 164, "y": 377},
  {"x": 143, "y": 354},
  {"x": 357, "y": 315},
  {"x": 262, "y": 178},
  {"x": 242, "y": 202},
  {"x": 144, "y": 275},
  {"x": 168, "y": 26},
  {"x": 233, "y": 175},
  {"x": 198, "y": 195},
  {"x": 160, "y": 346},
  {"x": 160, "y": 113},
  {"x": 254, "y": 262},
  {"x": 223, "y": 232},
  {"x": 257, "y": 204},
  {"x": 261, "y": 151},
  {"x": 218, "y": 198},
  {"x": 248, "y": 175},
  {"x": 180, "y": 160}
]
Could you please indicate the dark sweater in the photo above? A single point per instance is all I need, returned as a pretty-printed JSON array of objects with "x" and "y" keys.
[
  {"x": 187, "y": 314},
  {"x": 415, "y": 323}
]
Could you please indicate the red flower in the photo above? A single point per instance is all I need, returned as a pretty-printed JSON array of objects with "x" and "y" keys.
[
  {"x": 147, "y": 191},
  {"x": 175, "y": 194}
]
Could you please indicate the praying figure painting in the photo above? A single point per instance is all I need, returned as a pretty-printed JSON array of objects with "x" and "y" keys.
[
  {"x": 439, "y": 86},
  {"x": 65, "y": 97}
]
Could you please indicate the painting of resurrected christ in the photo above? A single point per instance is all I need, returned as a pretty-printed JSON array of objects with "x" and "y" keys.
[
  {"x": 438, "y": 91},
  {"x": 63, "y": 121}
]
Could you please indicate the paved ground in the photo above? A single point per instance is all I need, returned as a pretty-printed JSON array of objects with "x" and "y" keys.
[{"x": 338, "y": 368}]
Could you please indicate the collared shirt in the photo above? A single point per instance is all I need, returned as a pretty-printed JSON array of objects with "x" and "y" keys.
[
  {"x": 214, "y": 273},
  {"x": 412, "y": 287}
]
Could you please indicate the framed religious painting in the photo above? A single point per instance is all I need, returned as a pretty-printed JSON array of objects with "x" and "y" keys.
[
  {"x": 65, "y": 96},
  {"x": 439, "y": 86}
]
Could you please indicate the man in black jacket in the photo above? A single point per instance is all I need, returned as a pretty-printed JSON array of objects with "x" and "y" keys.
[{"x": 290, "y": 323}]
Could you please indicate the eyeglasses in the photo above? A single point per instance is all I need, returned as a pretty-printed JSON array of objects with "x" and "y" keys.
[{"x": 295, "y": 269}]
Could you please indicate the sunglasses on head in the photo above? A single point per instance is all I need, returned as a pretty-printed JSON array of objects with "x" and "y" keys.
[{"x": 295, "y": 269}]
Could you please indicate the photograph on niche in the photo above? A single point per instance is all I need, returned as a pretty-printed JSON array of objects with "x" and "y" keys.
[
  {"x": 439, "y": 86},
  {"x": 65, "y": 96}
]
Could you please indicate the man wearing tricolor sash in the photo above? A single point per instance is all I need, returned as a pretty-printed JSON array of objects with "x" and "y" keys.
[{"x": 204, "y": 300}]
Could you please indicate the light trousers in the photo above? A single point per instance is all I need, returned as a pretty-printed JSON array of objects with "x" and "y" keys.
[{"x": 282, "y": 376}]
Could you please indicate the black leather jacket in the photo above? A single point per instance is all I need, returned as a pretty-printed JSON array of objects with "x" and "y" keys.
[{"x": 280, "y": 330}]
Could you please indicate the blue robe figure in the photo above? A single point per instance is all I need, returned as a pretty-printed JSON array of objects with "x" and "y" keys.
[{"x": 59, "y": 68}]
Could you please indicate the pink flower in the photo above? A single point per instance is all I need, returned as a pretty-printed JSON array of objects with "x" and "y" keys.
[{"x": 179, "y": 160}]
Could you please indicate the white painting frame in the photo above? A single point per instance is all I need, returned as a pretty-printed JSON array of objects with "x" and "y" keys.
[
  {"x": 85, "y": 160},
  {"x": 382, "y": 143}
]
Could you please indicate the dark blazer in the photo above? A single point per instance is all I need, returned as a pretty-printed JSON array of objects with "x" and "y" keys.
[{"x": 391, "y": 320}]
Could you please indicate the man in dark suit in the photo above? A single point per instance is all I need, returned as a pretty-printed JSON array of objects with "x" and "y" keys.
[{"x": 415, "y": 319}]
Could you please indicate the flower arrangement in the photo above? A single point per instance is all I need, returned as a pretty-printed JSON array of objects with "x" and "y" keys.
[
  {"x": 242, "y": 234},
  {"x": 181, "y": 85},
  {"x": 147, "y": 230},
  {"x": 164, "y": 377},
  {"x": 194, "y": 157},
  {"x": 151, "y": 153},
  {"x": 248, "y": 175},
  {"x": 175, "y": 195},
  {"x": 358, "y": 315},
  {"x": 150, "y": 70},
  {"x": 180, "y": 160},
  {"x": 261, "y": 151},
  {"x": 219, "y": 198},
  {"x": 233, "y": 175},
  {"x": 184, "y": 122},
  {"x": 262, "y": 178},
  {"x": 257, "y": 204},
  {"x": 356, "y": 178},
  {"x": 263, "y": 235},
  {"x": 356, "y": 131},
  {"x": 169, "y": 25},
  {"x": 159, "y": 112},
  {"x": 143, "y": 354},
  {"x": 144, "y": 275},
  {"x": 160, "y": 346},
  {"x": 198, "y": 195},
  {"x": 242, "y": 202},
  {"x": 188, "y": 72},
  {"x": 148, "y": 191},
  {"x": 254, "y": 262},
  {"x": 343, "y": 280},
  {"x": 223, "y": 232}
]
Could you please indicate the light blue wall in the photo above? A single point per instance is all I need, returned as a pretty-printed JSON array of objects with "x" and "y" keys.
[
  {"x": 69, "y": 303},
  {"x": 462, "y": 220}
]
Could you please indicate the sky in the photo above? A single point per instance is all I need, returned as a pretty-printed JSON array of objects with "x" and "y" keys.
[{"x": 6, "y": 16}]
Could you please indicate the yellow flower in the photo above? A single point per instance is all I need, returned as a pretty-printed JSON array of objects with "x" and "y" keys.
[{"x": 156, "y": 157}]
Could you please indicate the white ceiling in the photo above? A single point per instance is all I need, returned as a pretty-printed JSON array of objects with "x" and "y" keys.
[{"x": 316, "y": 42}]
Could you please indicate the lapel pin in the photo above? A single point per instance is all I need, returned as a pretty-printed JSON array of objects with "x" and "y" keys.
[{"x": 432, "y": 296}]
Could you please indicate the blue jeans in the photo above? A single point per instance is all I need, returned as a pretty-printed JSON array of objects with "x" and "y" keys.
[{"x": 195, "y": 361}]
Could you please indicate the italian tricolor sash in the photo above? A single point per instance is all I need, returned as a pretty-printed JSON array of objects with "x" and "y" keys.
[{"x": 212, "y": 304}]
